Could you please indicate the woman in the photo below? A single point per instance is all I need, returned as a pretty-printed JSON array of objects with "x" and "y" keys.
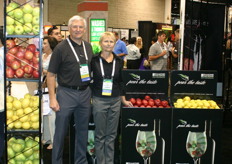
[
  {"x": 49, "y": 43},
  {"x": 108, "y": 94},
  {"x": 133, "y": 57}
]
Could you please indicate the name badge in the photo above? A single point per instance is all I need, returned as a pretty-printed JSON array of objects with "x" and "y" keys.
[
  {"x": 107, "y": 87},
  {"x": 84, "y": 70}
]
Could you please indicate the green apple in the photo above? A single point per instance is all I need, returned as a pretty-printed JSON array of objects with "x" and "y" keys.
[
  {"x": 27, "y": 18},
  {"x": 19, "y": 21},
  {"x": 10, "y": 152},
  {"x": 11, "y": 161},
  {"x": 14, "y": 5},
  {"x": 27, "y": 27},
  {"x": 18, "y": 13},
  {"x": 36, "y": 161},
  {"x": 28, "y": 152},
  {"x": 19, "y": 29},
  {"x": 35, "y": 29},
  {"x": 36, "y": 11},
  {"x": 27, "y": 9},
  {"x": 36, "y": 154},
  {"x": 17, "y": 147},
  {"x": 35, "y": 20},
  {"x": 20, "y": 157},
  {"x": 10, "y": 29},
  {"x": 9, "y": 20},
  {"x": 28, "y": 162},
  {"x": 10, "y": 11}
]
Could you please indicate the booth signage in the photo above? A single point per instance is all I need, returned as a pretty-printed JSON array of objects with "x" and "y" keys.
[{"x": 97, "y": 27}]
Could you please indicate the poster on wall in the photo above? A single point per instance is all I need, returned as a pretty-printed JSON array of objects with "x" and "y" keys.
[
  {"x": 97, "y": 27},
  {"x": 124, "y": 33}
]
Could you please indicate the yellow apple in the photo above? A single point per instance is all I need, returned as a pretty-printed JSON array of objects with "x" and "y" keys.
[
  {"x": 25, "y": 102},
  {"x": 28, "y": 110},
  {"x": 17, "y": 104},
  {"x": 27, "y": 96},
  {"x": 26, "y": 125},
  {"x": 35, "y": 125},
  {"x": 34, "y": 118},
  {"x": 186, "y": 98},
  {"x": 9, "y": 114},
  {"x": 20, "y": 112},
  {"x": 9, "y": 106},
  {"x": 9, "y": 99},
  {"x": 17, "y": 124},
  {"x": 24, "y": 118}
]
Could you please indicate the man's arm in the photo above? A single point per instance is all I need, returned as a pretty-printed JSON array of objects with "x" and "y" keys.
[
  {"x": 51, "y": 82},
  {"x": 157, "y": 56}
]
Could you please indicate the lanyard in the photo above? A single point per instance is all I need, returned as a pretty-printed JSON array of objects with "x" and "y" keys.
[
  {"x": 164, "y": 46},
  {"x": 102, "y": 70},
  {"x": 70, "y": 44}
]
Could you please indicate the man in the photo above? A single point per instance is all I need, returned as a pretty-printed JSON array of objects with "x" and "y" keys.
[
  {"x": 2, "y": 120},
  {"x": 120, "y": 47},
  {"x": 70, "y": 62},
  {"x": 175, "y": 50},
  {"x": 158, "y": 53},
  {"x": 55, "y": 32}
]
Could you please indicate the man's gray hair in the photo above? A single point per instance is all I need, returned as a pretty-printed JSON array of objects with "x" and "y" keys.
[{"x": 77, "y": 17}]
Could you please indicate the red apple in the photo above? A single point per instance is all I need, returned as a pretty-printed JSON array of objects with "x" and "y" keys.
[
  {"x": 24, "y": 62},
  {"x": 36, "y": 66},
  {"x": 136, "y": 106},
  {"x": 27, "y": 75},
  {"x": 19, "y": 55},
  {"x": 148, "y": 106},
  {"x": 35, "y": 59},
  {"x": 13, "y": 50},
  {"x": 28, "y": 69},
  {"x": 154, "y": 106},
  {"x": 10, "y": 58},
  {"x": 9, "y": 72},
  {"x": 160, "y": 106},
  {"x": 132, "y": 100},
  {"x": 21, "y": 49},
  {"x": 28, "y": 55},
  {"x": 37, "y": 54},
  {"x": 164, "y": 103},
  {"x": 151, "y": 102},
  {"x": 144, "y": 102},
  {"x": 35, "y": 74},
  {"x": 31, "y": 47},
  {"x": 157, "y": 102},
  {"x": 138, "y": 102},
  {"x": 19, "y": 73},
  {"x": 15, "y": 65},
  {"x": 147, "y": 97},
  {"x": 142, "y": 106},
  {"x": 10, "y": 43}
]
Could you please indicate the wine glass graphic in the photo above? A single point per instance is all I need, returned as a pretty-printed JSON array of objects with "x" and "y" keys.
[
  {"x": 146, "y": 144},
  {"x": 91, "y": 146},
  {"x": 196, "y": 145}
]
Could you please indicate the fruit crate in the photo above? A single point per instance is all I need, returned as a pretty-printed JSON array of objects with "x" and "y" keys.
[
  {"x": 196, "y": 117},
  {"x": 23, "y": 148},
  {"x": 151, "y": 114},
  {"x": 23, "y": 30}
]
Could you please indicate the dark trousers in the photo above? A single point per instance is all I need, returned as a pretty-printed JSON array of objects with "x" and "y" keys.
[{"x": 76, "y": 103}]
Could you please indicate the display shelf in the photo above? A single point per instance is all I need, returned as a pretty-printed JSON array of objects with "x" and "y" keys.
[
  {"x": 22, "y": 36},
  {"x": 23, "y": 79},
  {"x": 23, "y": 30},
  {"x": 22, "y": 131}
]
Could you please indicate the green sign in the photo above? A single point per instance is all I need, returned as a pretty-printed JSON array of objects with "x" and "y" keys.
[{"x": 97, "y": 27}]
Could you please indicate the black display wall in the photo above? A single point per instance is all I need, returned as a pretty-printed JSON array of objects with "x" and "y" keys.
[{"x": 203, "y": 37}]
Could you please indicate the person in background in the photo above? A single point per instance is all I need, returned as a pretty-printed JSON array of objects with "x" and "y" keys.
[
  {"x": 49, "y": 43},
  {"x": 2, "y": 92},
  {"x": 158, "y": 53},
  {"x": 133, "y": 57},
  {"x": 139, "y": 44},
  {"x": 70, "y": 63},
  {"x": 108, "y": 94},
  {"x": 120, "y": 48},
  {"x": 175, "y": 50},
  {"x": 55, "y": 32}
]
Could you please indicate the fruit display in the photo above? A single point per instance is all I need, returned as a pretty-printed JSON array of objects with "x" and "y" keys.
[
  {"x": 23, "y": 150},
  {"x": 22, "y": 113},
  {"x": 187, "y": 102},
  {"x": 22, "y": 19},
  {"x": 148, "y": 102},
  {"x": 22, "y": 62}
]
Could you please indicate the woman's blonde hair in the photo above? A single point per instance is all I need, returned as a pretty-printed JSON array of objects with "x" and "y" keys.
[
  {"x": 137, "y": 44},
  {"x": 107, "y": 34}
]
